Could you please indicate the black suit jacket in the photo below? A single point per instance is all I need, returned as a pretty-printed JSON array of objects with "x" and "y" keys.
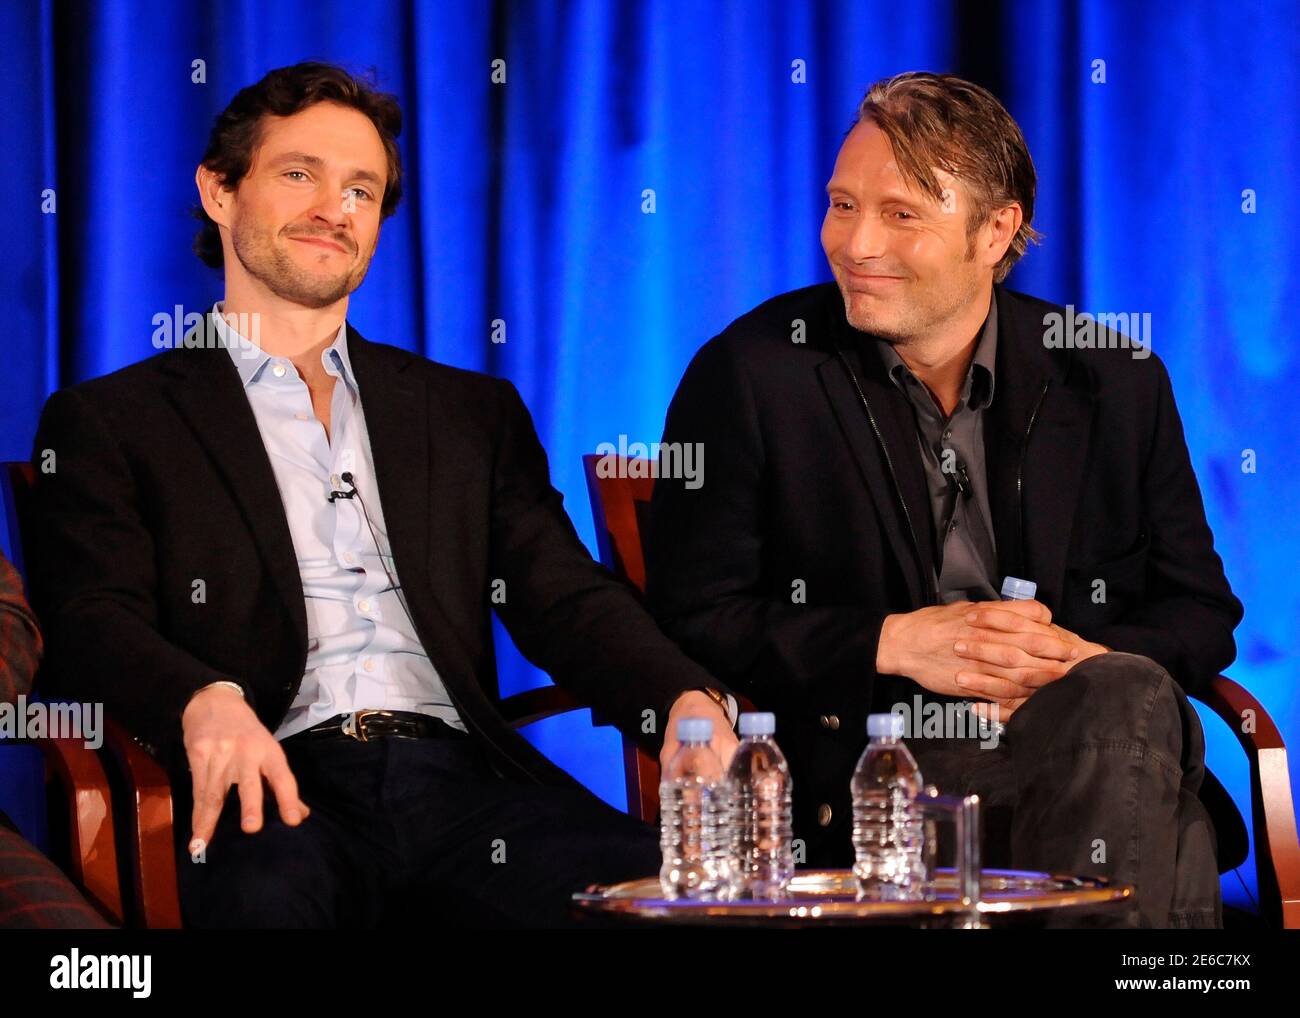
[
  {"x": 812, "y": 485},
  {"x": 155, "y": 476}
]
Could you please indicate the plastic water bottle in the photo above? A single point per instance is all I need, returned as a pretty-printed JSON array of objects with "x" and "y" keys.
[
  {"x": 1013, "y": 589},
  {"x": 888, "y": 835},
  {"x": 693, "y": 811},
  {"x": 762, "y": 853},
  {"x": 1016, "y": 589}
]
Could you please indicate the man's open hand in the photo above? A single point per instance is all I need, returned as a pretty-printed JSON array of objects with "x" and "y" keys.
[{"x": 227, "y": 745}]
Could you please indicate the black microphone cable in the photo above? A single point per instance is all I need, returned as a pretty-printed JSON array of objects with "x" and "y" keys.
[{"x": 396, "y": 588}]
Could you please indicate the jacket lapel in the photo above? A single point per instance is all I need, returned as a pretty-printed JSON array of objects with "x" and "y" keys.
[
  {"x": 210, "y": 396},
  {"x": 396, "y": 409},
  {"x": 407, "y": 443},
  {"x": 904, "y": 508},
  {"x": 1034, "y": 487}
]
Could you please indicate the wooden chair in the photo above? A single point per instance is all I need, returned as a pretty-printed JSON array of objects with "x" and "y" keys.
[
  {"x": 616, "y": 505},
  {"x": 620, "y": 505},
  {"x": 1272, "y": 811},
  {"x": 143, "y": 893}
]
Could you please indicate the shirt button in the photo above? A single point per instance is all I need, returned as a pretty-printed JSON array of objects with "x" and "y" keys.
[
  {"x": 303, "y": 417},
  {"x": 278, "y": 370},
  {"x": 368, "y": 664},
  {"x": 336, "y": 481},
  {"x": 348, "y": 556},
  {"x": 363, "y": 605},
  {"x": 824, "y": 814}
]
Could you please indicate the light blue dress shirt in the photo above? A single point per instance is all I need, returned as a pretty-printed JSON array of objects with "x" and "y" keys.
[{"x": 362, "y": 649}]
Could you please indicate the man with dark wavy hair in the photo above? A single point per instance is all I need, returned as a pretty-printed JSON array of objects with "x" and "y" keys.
[
  {"x": 274, "y": 558},
  {"x": 889, "y": 448}
]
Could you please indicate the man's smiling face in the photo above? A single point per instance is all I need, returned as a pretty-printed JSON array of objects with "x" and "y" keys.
[
  {"x": 305, "y": 218},
  {"x": 900, "y": 256}
]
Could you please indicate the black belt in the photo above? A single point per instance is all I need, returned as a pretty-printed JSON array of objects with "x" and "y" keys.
[{"x": 364, "y": 725}]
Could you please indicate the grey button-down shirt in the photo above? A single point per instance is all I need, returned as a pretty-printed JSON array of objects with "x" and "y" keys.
[{"x": 952, "y": 452}]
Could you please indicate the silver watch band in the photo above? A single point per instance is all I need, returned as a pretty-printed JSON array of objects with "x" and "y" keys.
[{"x": 221, "y": 682}]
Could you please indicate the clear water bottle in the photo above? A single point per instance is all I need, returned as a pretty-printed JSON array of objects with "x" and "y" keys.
[
  {"x": 1013, "y": 589},
  {"x": 1016, "y": 589},
  {"x": 888, "y": 833},
  {"x": 694, "y": 817},
  {"x": 762, "y": 853}
]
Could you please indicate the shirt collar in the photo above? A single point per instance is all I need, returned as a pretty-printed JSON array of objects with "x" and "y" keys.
[
  {"x": 978, "y": 388},
  {"x": 250, "y": 359}
]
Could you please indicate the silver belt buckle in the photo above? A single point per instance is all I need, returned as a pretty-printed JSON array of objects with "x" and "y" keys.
[{"x": 352, "y": 726}]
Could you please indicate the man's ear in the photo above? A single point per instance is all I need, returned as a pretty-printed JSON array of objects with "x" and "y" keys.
[
  {"x": 997, "y": 234},
  {"x": 215, "y": 198}
]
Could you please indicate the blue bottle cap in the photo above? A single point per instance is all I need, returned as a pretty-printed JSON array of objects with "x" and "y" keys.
[
  {"x": 694, "y": 729},
  {"x": 1016, "y": 589},
  {"x": 885, "y": 724},
  {"x": 757, "y": 723}
]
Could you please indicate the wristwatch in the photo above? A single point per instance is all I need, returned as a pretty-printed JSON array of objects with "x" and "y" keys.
[{"x": 724, "y": 700}]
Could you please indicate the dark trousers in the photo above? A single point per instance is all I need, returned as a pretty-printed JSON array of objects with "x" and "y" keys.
[
  {"x": 409, "y": 833},
  {"x": 1097, "y": 774}
]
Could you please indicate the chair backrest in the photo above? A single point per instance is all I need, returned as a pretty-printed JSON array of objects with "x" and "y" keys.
[{"x": 620, "y": 490}]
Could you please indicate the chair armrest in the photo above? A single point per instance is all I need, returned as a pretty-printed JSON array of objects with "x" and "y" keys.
[
  {"x": 532, "y": 705},
  {"x": 149, "y": 818},
  {"x": 93, "y": 854},
  {"x": 640, "y": 769},
  {"x": 1277, "y": 850}
]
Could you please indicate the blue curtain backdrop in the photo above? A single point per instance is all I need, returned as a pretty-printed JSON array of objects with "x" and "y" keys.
[{"x": 1151, "y": 129}]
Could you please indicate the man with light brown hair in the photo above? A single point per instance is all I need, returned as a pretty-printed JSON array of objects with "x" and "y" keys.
[{"x": 886, "y": 450}]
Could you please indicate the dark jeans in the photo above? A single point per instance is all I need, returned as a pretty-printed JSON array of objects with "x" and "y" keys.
[
  {"x": 407, "y": 832},
  {"x": 1097, "y": 774}
]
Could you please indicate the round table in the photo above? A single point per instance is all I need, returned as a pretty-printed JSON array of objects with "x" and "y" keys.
[{"x": 829, "y": 898}]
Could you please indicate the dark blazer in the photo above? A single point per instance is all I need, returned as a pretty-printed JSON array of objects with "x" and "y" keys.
[
  {"x": 810, "y": 485},
  {"x": 158, "y": 477}
]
